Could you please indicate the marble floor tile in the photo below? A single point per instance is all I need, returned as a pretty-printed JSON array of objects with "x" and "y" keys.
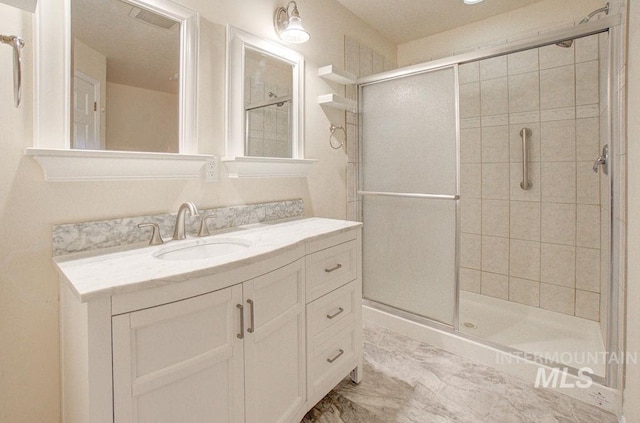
[{"x": 406, "y": 381}]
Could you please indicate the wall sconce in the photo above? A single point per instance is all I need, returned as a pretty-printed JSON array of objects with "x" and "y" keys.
[{"x": 289, "y": 25}]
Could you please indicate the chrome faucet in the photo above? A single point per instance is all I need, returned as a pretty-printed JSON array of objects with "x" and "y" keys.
[{"x": 178, "y": 231}]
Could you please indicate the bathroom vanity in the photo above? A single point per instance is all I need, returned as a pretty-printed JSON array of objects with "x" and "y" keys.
[{"x": 254, "y": 325}]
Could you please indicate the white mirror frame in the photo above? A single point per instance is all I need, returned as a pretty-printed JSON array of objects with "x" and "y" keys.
[
  {"x": 52, "y": 93},
  {"x": 236, "y": 161}
]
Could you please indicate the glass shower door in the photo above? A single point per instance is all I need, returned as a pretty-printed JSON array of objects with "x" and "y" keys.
[{"x": 409, "y": 189}]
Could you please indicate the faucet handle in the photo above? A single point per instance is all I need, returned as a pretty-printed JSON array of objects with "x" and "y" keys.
[
  {"x": 156, "y": 239},
  {"x": 204, "y": 229}
]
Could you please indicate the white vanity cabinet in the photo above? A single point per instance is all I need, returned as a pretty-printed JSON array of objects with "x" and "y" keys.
[{"x": 260, "y": 342}]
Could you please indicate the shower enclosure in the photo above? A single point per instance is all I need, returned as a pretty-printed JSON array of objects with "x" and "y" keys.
[{"x": 486, "y": 199}]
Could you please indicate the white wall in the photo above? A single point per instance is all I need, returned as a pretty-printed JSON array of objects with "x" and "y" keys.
[
  {"x": 29, "y": 374},
  {"x": 141, "y": 120}
]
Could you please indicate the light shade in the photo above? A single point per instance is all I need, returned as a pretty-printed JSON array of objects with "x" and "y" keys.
[
  {"x": 472, "y": 1},
  {"x": 289, "y": 25}
]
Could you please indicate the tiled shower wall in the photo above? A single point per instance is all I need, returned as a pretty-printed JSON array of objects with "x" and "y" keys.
[
  {"x": 539, "y": 247},
  {"x": 361, "y": 61}
]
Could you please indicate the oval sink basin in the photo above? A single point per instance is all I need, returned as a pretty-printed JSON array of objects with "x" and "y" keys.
[{"x": 202, "y": 249}]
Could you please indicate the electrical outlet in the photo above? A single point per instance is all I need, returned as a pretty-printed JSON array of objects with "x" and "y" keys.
[{"x": 211, "y": 171}]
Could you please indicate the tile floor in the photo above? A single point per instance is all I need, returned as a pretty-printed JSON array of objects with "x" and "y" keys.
[{"x": 406, "y": 381}]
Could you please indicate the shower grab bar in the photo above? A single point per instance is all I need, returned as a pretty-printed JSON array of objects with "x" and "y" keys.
[
  {"x": 409, "y": 195},
  {"x": 525, "y": 133},
  {"x": 17, "y": 44}
]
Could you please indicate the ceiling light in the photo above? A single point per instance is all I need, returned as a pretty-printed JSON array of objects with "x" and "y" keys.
[
  {"x": 289, "y": 25},
  {"x": 472, "y": 1}
]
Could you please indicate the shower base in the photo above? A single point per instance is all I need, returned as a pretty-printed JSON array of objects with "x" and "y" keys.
[{"x": 568, "y": 340}]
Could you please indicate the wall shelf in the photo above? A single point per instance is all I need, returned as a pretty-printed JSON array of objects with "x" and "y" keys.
[
  {"x": 267, "y": 167},
  {"x": 335, "y": 74},
  {"x": 338, "y": 102}
]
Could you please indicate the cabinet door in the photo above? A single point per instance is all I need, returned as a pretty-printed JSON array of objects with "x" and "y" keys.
[
  {"x": 275, "y": 374},
  {"x": 180, "y": 362}
]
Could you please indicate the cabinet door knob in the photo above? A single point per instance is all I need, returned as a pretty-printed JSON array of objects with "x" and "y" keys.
[
  {"x": 340, "y": 352},
  {"x": 241, "y": 334},
  {"x": 251, "y": 316},
  {"x": 336, "y": 267},
  {"x": 331, "y": 316}
]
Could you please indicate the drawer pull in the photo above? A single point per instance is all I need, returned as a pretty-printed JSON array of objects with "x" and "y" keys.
[
  {"x": 340, "y": 352},
  {"x": 336, "y": 267},
  {"x": 252, "y": 311},
  {"x": 241, "y": 334},
  {"x": 331, "y": 316}
]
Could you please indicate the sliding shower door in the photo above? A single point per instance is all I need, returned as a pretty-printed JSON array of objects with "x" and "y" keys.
[{"x": 409, "y": 190}]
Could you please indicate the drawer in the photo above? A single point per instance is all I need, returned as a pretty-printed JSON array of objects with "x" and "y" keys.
[
  {"x": 331, "y": 309},
  {"x": 330, "y": 363},
  {"x": 330, "y": 268}
]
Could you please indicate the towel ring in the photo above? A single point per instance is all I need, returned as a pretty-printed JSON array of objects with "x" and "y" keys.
[{"x": 333, "y": 129}]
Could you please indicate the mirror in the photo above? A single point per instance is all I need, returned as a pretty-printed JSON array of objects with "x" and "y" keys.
[
  {"x": 265, "y": 85},
  {"x": 129, "y": 77}
]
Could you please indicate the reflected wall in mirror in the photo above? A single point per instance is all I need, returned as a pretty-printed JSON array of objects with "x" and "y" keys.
[
  {"x": 267, "y": 99},
  {"x": 126, "y": 76},
  {"x": 265, "y": 87}
]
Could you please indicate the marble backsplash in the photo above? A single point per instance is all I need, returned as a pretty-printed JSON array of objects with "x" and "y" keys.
[{"x": 87, "y": 236}]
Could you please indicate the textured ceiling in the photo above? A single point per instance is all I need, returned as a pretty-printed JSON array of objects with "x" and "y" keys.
[
  {"x": 406, "y": 20},
  {"x": 138, "y": 54}
]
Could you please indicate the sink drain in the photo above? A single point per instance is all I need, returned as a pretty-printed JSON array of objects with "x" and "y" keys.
[{"x": 469, "y": 325}]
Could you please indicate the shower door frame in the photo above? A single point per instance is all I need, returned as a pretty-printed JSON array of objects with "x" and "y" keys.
[{"x": 610, "y": 24}]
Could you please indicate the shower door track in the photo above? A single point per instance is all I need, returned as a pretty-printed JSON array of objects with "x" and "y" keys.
[{"x": 409, "y": 195}]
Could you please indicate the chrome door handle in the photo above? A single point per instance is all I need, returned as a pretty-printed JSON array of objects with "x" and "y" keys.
[
  {"x": 602, "y": 160},
  {"x": 241, "y": 334},
  {"x": 340, "y": 352},
  {"x": 251, "y": 327},
  {"x": 525, "y": 133}
]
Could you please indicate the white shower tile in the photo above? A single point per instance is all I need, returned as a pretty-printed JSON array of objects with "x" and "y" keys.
[
  {"x": 366, "y": 61},
  {"x": 588, "y": 224},
  {"x": 494, "y": 98},
  {"x": 493, "y": 68},
  {"x": 470, "y": 180},
  {"x": 558, "y": 140},
  {"x": 558, "y": 182},
  {"x": 523, "y": 61},
  {"x": 470, "y": 280},
  {"x": 495, "y": 218},
  {"x": 557, "y": 298},
  {"x": 470, "y": 123},
  {"x": 524, "y": 92},
  {"x": 562, "y": 113},
  {"x": 351, "y": 55},
  {"x": 351, "y": 181},
  {"x": 469, "y": 72},
  {"x": 552, "y": 56},
  {"x": 588, "y": 184},
  {"x": 524, "y": 291},
  {"x": 471, "y": 216},
  {"x": 557, "y": 88},
  {"x": 587, "y": 111},
  {"x": 587, "y": 139},
  {"x": 352, "y": 144},
  {"x": 495, "y": 255},
  {"x": 558, "y": 223},
  {"x": 524, "y": 221},
  {"x": 495, "y": 285},
  {"x": 588, "y": 305},
  {"x": 470, "y": 248},
  {"x": 524, "y": 259},
  {"x": 495, "y": 144},
  {"x": 495, "y": 181},
  {"x": 470, "y": 145},
  {"x": 469, "y": 100},
  {"x": 378, "y": 63},
  {"x": 515, "y": 174},
  {"x": 533, "y": 142},
  {"x": 588, "y": 269},
  {"x": 587, "y": 88},
  {"x": 497, "y": 120},
  {"x": 586, "y": 48},
  {"x": 558, "y": 264},
  {"x": 524, "y": 117}
]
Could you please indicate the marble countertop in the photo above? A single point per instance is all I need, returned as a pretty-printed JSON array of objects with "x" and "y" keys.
[{"x": 118, "y": 272}]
